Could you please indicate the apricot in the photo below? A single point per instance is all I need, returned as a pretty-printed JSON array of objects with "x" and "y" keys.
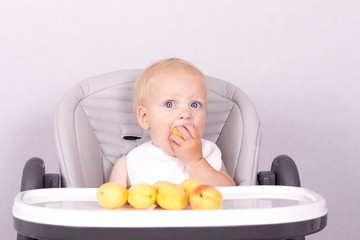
[
  {"x": 142, "y": 196},
  {"x": 160, "y": 183},
  {"x": 171, "y": 196},
  {"x": 157, "y": 185},
  {"x": 189, "y": 185},
  {"x": 175, "y": 131},
  {"x": 111, "y": 195},
  {"x": 206, "y": 197}
]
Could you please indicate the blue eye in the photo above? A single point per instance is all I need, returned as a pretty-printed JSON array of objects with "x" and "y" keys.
[
  {"x": 195, "y": 105},
  {"x": 169, "y": 104}
]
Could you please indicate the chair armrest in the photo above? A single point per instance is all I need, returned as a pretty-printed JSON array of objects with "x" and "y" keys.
[
  {"x": 34, "y": 176},
  {"x": 283, "y": 172},
  {"x": 286, "y": 171}
]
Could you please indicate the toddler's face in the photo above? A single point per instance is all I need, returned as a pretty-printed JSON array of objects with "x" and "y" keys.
[{"x": 175, "y": 98}]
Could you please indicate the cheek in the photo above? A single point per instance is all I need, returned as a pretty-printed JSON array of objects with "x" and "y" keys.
[
  {"x": 161, "y": 125},
  {"x": 199, "y": 124},
  {"x": 201, "y": 130}
]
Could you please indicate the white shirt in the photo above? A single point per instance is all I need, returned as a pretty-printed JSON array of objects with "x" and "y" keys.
[{"x": 148, "y": 164}]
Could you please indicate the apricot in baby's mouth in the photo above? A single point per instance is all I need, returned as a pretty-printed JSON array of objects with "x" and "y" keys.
[{"x": 175, "y": 131}]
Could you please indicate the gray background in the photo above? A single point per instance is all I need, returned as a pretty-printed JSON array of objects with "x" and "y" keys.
[{"x": 299, "y": 61}]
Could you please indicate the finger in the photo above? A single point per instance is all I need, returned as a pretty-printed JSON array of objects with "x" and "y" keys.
[
  {"x": 184, "y": 132},
  {"x": 175, "y": 138},
  {"x": 191, "y": 130},
  {"x": 174, "y": 147}
]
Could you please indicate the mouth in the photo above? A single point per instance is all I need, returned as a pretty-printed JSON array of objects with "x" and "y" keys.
[
  {"x": 174, "y": 129},
  {"x": 182, "y": 124}
]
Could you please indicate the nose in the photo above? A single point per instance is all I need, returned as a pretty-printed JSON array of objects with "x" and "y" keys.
[{"x": 184, "y": 114}]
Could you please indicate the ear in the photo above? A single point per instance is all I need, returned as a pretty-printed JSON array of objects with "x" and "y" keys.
[{"x": 142, "y": 117}]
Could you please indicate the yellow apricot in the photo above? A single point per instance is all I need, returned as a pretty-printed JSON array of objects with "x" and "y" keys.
[
  {"x": 160, "y": 183},
  {"x": 111, "y": 195},
  {"x": 157, "y": 185},
  {"x": 171, "y": 196},
  {"x": 175, "y": 131},
  {"x": 206, "y": 197},
  {"x": 142, "y": 196},
  {"x": 189, "y": 184}
]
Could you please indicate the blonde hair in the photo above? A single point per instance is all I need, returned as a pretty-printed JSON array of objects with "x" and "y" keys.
[{"x": 141, "y": 84}]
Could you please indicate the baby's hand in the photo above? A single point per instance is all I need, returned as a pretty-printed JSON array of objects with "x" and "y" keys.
[{"x": 187, "y": 147}]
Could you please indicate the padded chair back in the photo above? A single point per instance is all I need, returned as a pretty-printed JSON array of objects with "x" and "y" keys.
[{"x": 95, "y": 124}]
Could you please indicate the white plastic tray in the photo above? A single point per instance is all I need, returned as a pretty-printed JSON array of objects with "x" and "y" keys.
[{"x": 250, "y": 205}]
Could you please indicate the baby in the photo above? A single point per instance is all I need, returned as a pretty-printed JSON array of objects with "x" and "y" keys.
[{"x": 171, "y": 94}]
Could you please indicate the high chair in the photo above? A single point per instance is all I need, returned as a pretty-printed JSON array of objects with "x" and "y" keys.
[{"x": 95, "y": 124}]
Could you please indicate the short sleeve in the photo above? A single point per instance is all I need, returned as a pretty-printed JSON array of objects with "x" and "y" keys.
[{"x": 212, "y": 154}]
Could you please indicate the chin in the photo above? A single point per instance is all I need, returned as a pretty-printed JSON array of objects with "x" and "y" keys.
[{"x": 166, "y": 148}]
